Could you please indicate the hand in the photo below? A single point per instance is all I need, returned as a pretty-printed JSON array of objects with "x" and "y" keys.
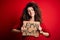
[
  {"x": 15, "y": 30},
  {"x": 44, "y": 33}
]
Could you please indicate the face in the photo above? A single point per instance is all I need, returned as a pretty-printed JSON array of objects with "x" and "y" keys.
[{"x": 31, "y": 11}]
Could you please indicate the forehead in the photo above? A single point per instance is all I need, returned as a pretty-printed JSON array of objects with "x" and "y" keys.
[{"x": 29, "y": 8}]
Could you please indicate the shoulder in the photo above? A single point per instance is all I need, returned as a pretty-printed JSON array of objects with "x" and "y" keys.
[{"x": 34, "y": 22}]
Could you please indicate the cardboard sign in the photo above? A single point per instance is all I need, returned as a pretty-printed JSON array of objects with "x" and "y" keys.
[{"x": 30, "y": 28}]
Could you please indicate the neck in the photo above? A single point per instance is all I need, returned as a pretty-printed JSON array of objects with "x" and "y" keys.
[{"x": 32, "y": 19}]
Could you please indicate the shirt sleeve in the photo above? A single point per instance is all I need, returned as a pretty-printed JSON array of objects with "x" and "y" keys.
[
  {"x": 16, "y": 24},
  {"x": 43, "y": 26}
]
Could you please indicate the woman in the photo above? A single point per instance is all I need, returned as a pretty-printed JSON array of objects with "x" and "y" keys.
[{"x": 32, "y": 13}]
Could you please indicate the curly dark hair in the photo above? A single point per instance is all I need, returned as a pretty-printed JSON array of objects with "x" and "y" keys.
[{"x": 26, "y": 16}]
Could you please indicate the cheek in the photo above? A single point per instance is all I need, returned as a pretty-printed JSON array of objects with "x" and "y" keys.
[
  {"x": 29, "y": 13},
  {"x": 33, "y": 13}
]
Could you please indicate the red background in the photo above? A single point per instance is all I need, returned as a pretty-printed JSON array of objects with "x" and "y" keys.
[{"x": 11, "y": 11}]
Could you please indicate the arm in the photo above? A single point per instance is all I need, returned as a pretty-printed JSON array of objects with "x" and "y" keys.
[
  {"x": 42, "y": 32},
  {"x": 15, "y": 30}
]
